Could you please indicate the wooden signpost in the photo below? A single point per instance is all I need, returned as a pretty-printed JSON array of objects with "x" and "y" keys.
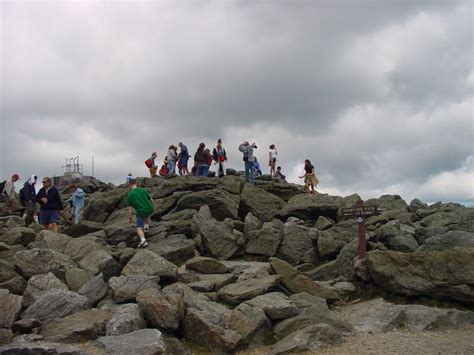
[{"x": 360, "y": 211}]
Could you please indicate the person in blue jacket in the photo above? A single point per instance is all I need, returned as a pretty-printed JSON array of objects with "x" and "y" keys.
[
  {"x": 51, "y": 205},
  {"x": 77, "y": 202}
]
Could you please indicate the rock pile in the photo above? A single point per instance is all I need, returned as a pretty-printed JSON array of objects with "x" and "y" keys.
[{"x": 229, "y": 266}]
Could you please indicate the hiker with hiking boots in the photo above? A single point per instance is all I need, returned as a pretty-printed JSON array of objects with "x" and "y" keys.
[
  {"x": 51, "y": 205},
  {"x": 139, "y": 200}
]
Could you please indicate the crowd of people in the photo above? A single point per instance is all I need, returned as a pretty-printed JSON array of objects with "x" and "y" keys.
[{"x": 46, "y": 207}]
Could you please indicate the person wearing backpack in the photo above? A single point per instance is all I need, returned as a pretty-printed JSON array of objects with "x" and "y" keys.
[
  {"x": 247, "y": 149},
  {"x": 220, "y": 157},
  {"x": 28, "y": 198},
  {"x": 150, "y": 164},
  {"x": 51, "y": 205},
  {"x": 8, "y": 191}
]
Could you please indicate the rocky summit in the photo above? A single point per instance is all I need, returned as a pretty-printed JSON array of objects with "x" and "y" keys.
[{"x": 230, "y": 267}]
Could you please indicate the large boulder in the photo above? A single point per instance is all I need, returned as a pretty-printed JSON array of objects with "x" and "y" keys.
[
  {"x": 143, "y": 341},
  {"x": 95, "y": 290},
  {"x": 311, "y": 207},
  {"x": 204, "y": 324},
  {"x": 440, "y": 274},
  {"x": 100, "y": 261},
  {"x": 264, "y": 241},
  {"x": 10, "y": 279},
  {"x": 162, "y": 309},
  {"x": 77, "y": 277},
  {"x": 397, "y": 237},
  {"x": 218, "y": 238},
  {"x": 118, "y": 228},
  {"x": 260, "y": 203},
  {"x": 81, "y": 247},
  {"x": 126, "y": 319},
  {"x": 275, "y": 304},
  {"x": 206, "y": 265},
  {"x": 56, "y": 304},
  {"x": 449, "y": 240},
  {"x": 221, "y": 203},
  {"x": 244, "y": 290},
  {"x": 53, "y": 240},
  {"x": 18, "y": 235},
  {"x": 38, "y": 285},
  {"x": 147, "y": 263},
  {"x": 10, "y": 307},
  {"x": 332, "y": 240},
  {"x": 41, "y": 261},
  {"x": 388, "y": 202},
  {"x": 80, "y": 326},
  {"x": 297, "y": 283},
  {"x": 101, "y": 205},
  {"x": 83, "y": 228},
  {"x": 174, "y": 248},
  {"x": 299, "y": 243},
  {"x": 126, "y": 288}
]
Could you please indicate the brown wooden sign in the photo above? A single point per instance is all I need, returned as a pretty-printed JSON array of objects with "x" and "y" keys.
[{"x": 360, "y": 211}]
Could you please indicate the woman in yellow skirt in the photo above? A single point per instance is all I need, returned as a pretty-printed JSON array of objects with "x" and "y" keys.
[{"x": 310, "y": 179}]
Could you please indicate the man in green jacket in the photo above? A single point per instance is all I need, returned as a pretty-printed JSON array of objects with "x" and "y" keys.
[{"x": 139, "y": 200}]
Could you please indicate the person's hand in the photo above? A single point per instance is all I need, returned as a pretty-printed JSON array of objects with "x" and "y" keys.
[{"x": 44, "y": 200}]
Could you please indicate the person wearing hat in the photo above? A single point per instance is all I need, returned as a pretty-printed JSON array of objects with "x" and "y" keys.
[
  {"x": 51, "y": 205},
  {"x": 9, "y": 193},
  {"x": 77, "y": 202}
]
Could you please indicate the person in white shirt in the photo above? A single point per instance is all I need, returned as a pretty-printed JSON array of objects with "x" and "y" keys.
[
  {"x": 272, "y": 159},
  {"x": 9, "y": 193}
]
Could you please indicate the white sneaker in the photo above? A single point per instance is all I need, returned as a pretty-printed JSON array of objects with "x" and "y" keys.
[
  {"x": 146, "y": 228},
  {"x": 143, "y": 244}
]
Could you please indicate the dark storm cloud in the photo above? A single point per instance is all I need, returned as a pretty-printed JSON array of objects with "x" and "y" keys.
[{"x": 367, "y": 88}]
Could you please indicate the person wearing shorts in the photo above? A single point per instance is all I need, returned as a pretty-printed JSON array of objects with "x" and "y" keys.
[
  {"x": 139, "y": 200},
  {"x": 51, "y": 205}
]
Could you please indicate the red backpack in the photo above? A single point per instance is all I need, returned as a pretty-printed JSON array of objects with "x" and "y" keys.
[{"x": 148, "y": 163}]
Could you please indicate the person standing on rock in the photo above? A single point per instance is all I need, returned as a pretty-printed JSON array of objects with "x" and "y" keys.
[
  {"x": 247, "y": 149},
  {"x": 272, "y": 159},
  {"x": 310, "y": 179},
  {"x": 29, "y": 198},
  {"x": 183, "y": 159},
  {"x": 220, "y": 157},
  {"x": 9, "y": 193},
  {"x": 139, "y": 200},
  {"x": 51, "y": 205},
  {"x": 171, "y": 158},
  {"x": 151, "y": 165},
  {"x": 201, "y": 159},
  {"x": 77, "y": 202}
]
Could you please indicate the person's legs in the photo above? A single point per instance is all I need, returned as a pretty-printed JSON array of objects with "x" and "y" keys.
[
  {"x": 53, "y": 221},
  {"x": 205, "y": 170},
  {"x": 77, "y": 214},
  {"x": 9, "y": 204},
  {"x": 140, "y": 232},
  {"x": 252, "y": 172},
  {"x": 171, "y": 166},
  {"x": 247, "y": 171}
]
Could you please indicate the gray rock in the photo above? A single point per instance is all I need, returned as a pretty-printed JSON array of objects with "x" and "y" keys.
[
  {"x": 206, "y": 265},
  {"x": 162, "y": 309},
  {"x": 202, "y": 286},
  {"x": 76, "y": 278},
  {"x": 449, "y": 240},
  {"x": 203, "y": 323},
  {"x": 95, "y": 290},
  {"x": 441, "y": 219},
  {"x": 221, "y": 203},
  {"x": 299, "y": 243},
  {"x": 34, "y": 347},
  {"x": 83, "y": 228},
  {"x": 218, "y": 238},
  {"x": 380, "y": 316},
  {"x": 275, "y": 304},
  {"x": 395, "y": 238},
  {"x": 56, "y": 304},
  {"x": 266, "y": 240},
  {"x": 25, "y": 326},
  {"x": 323, "y": 223},
  {"x": 7, "y": 273},
  {"x": 309, "y": 339},
  {"x": 126, "y": 288},
  {"x": 18, "y": 235},
  {"x": 147, "y": 263},
  {"x": 249, "y": 322},
  {"x": 78, "y": 327},
  {"x": 126, "y": 319},
  {"x": 41, "y": 261},
  {"x": 53, "y": 240},
  {"x": 388, "y": 202},
  {"x": 217, "y": 280},
  {"x": 100, "y": 261},
  {"x": 244, "y": 290},
  {"x": 38, "y": 285},
  {"x": 79, "y": 248},
  {"x": 246, "y": 270},
  {"x": 311, "y": 207},
  {"x": 252, "y": 224},
  {"x": 260, "y": 203},
  {"x": 440, "y": 274},
  {"x": 144, "y": 341},
  {"x": 175, "y": 248},
  {"x": 297, "y": 283},
  {"x": 331, "y": 241},
  {"x": 10, "y": 307},
  {"x": 101, "y": 205}
]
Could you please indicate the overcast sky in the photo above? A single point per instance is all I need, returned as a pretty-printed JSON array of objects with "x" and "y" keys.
[{"x": 378, "y": 94}]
